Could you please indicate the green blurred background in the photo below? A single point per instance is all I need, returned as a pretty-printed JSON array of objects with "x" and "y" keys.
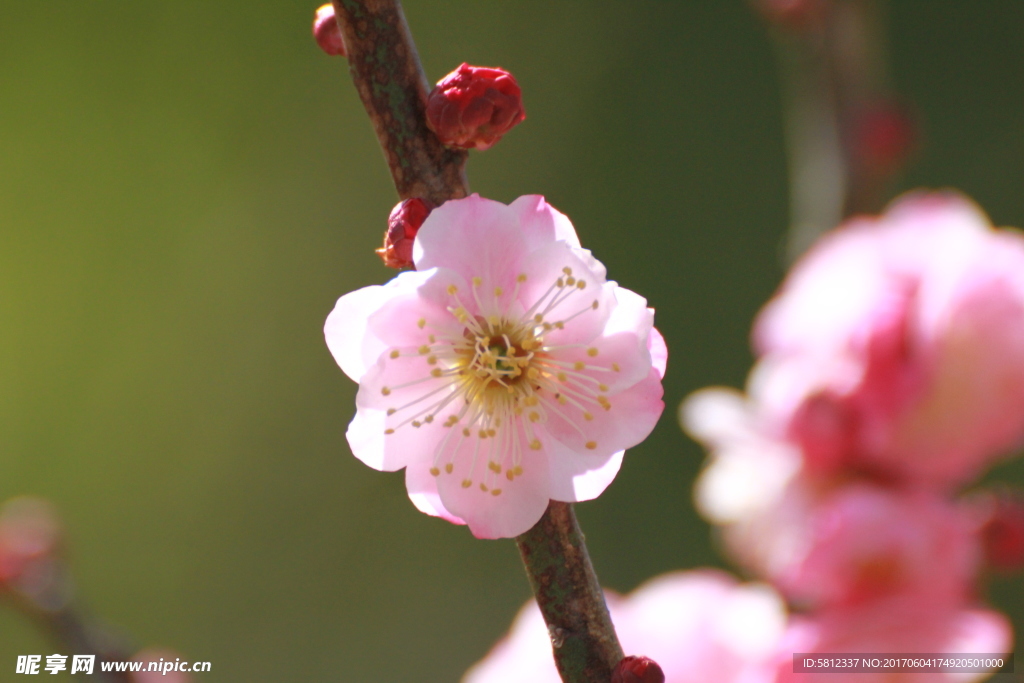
[{"x": 185, "y": 189}]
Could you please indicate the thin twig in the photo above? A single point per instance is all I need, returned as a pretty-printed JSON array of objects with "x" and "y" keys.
[
  {"x": 393, "y": 87},
  {"x": 583, "y": 639},
  {"x": 833, "y": 71},
  {"x": 390, "y": 80}
]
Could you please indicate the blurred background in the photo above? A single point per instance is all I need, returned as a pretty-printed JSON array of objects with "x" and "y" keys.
[{"x": 185, "y": 190}]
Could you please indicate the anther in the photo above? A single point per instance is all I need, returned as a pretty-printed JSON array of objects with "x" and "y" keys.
[
  {"x": 449, "y": 467},
  {"x": 435, "y": 472},
  {"x": 534, "y": 445},
  {"x": 466, "y": 483},
  {"x": 385, "y": 391},
  {"x": 591, "y": 445},
  {"x": 395, "y": 354},
  {"x": 496, "y": 492},
  {"x": 389, "y": 431},
  {"x": 421, "y": 323},
  {"x": 591, "y": 352}
]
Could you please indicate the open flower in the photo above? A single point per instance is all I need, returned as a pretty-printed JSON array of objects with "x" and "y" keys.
[
  {"x": 896, "y": 345},
  {"x": 504, "y": 372}
]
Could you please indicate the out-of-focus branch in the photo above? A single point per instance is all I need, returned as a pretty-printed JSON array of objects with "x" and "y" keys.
[{"x": 845, "y": 134}]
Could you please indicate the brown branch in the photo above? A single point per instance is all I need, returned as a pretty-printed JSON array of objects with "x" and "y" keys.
[
  {"x": 387, "y": 73},
  {"x": 393, "y": 87},
  {"x": 570, "y": 598}
]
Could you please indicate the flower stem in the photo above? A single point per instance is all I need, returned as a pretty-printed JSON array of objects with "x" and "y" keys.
[
  {"x": 387, "y": 73},
  {"x": 390, "y": 80},
  {"x": 583, "y": 639}
]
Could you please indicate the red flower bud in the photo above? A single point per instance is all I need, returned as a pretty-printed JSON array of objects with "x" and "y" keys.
[
  {"x": 403, "y": 224},
  {"x": 474, "y": 106},
  {"x": 327, "y": 32},
  {"x": 1002, "y": 532},
  {"x": 638, "y": 670},
  {"x": 884, "y": 136}
]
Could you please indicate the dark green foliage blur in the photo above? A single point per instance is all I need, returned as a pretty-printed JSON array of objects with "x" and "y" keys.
[{"x": 185, "y": 189}]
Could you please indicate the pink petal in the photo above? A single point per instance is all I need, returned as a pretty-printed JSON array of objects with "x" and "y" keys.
[
  {"x": 576, "y": 477},
  {"x": 474, "y": 237},
  {"x": 515, "y": 510},
  {"x": 543, "y": 270},
  {"x": 630, "y": 419},
  {"x": 422, "y": 488},
  {"x": 345, "y": 330},
  {"x": 541, "y": 223},
  {"x": 658, "y": 349},
  {"x": 421, "y": 310}
]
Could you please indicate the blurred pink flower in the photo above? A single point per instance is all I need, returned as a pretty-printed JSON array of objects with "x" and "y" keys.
[
  {"x": 906, "y": 624},
  {"x": 747, "y": 470},
  {"x": 896, "y": 346},
  {"x": 504, "y": 372},
  {"x": 823, "y": 542},
  {"x": 165, "y": 659},
  {"x": 860, "y": 542},
  {"x": 698, "y": 626}
]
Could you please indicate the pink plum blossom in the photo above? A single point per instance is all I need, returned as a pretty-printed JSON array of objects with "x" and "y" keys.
[
  {"x": 504, "y": 372},
  {"x": 895, "y": 347},
  {"x": 824, "y": 542},
  {"x": 901, "y": 625},
  {"x": 698, "y": 625},
  {"x": 860, "y": 542}
]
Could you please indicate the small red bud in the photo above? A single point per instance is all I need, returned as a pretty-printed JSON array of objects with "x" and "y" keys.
[
  {"x": 1002, "y": 531},
  {"x": 474, "y": 106},
  {"x": 403, "y": 224},
  {"x": 884, "y": 136},
  {"x": 327, "y": 32},
  {"x": 638, "y": 670}
]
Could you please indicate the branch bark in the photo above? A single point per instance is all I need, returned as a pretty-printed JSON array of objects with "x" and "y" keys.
[
  {"x": 583, "y": 639},
  {"x": 387, "y": 73},
  {"x": 390, "y": 80}
]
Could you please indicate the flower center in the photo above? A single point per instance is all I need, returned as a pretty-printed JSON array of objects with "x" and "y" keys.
[{"x": 501, "y": 381}]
